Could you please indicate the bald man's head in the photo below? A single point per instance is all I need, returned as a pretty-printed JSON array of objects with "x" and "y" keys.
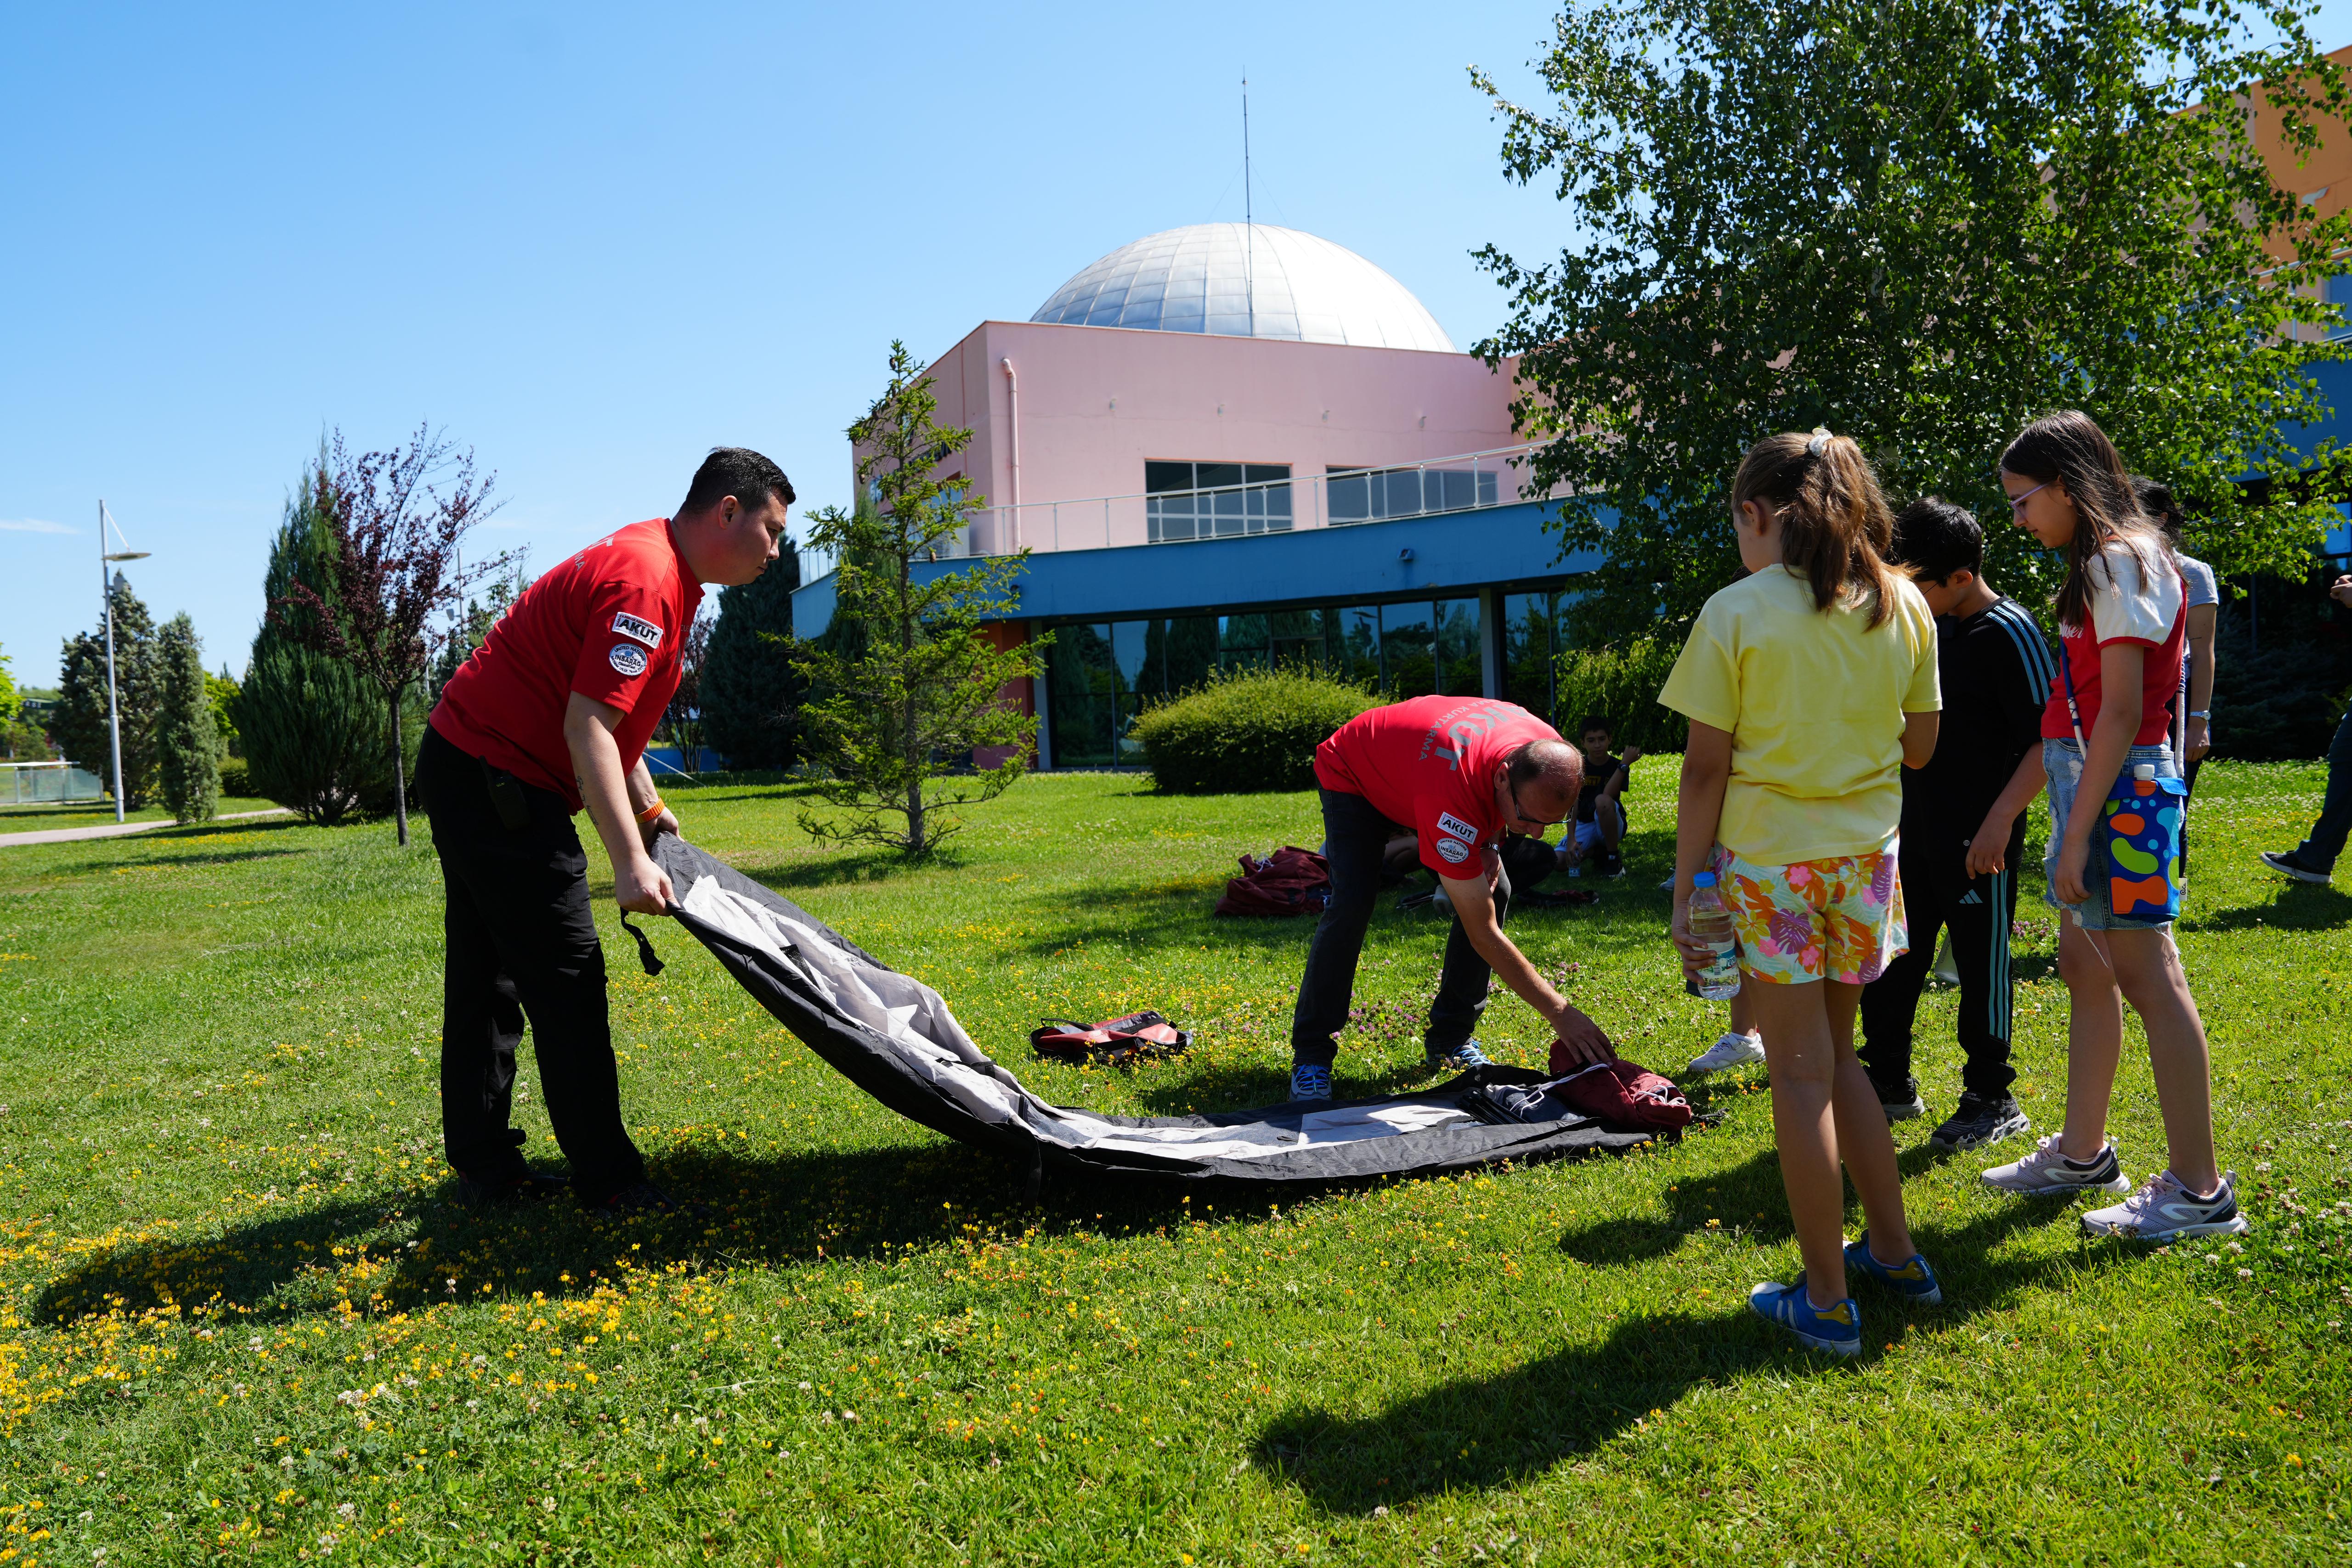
[{"x": 1539, "y": 783}]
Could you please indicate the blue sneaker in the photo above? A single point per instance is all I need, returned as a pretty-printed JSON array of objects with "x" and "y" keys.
[
  {"x": 1914, "y": 1281},
  {"x": 1311, "y": 1080},
  {"x": 1460, "y": 1059},
  {"x": 1836, "y": 1329}
]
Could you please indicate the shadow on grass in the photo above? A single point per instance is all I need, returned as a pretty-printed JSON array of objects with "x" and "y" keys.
[
  {"x": 1497, "y": 1431},
  {"x": 833, "y": 868},
  {"x": 176, "y": 863},
  {"x": 2299, "y": 907},
  {"x": 769, "y": 1212}
]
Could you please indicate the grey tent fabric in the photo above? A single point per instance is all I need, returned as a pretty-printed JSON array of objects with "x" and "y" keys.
[{"x": 895, "y": 1039}]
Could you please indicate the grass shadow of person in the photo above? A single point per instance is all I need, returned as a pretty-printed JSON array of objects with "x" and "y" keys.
[
  {"x": 403, "y": 1250},
  {"x": 2298, "y": 906},
  {"x": 1746, "y": 1200},
  {"x": 1497, "y": 1431}
]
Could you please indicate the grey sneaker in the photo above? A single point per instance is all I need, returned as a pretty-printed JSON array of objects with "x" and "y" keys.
[
  {"x": 2046, "y": 1171},
  {"x": 1900, "y": 1101},
  {"x": 1311, "y": 1080},
  {"x": 1731, "y": 1051},
  {"x": 1980, "y": 1119},
  {"x": 2290, "y": 863},
  {"x": 1460, "y": 1059},
  {"x": 2163, "y": 1210}
]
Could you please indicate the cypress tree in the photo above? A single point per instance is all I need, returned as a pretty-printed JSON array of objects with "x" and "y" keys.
[
  {"x": 751, "y": 694},
  {"x": 187, "y": 736},
  {"x": 313, "y": 729},
  {"x": 80, "y": 723}
]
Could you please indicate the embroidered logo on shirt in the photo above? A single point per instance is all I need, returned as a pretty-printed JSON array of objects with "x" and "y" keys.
[
  {"x": 1447, "y": 822},
  {"x": 628, "y": 658},
  {"x": 645, "y": 632},
  {"x": 1452, "y": 851}
]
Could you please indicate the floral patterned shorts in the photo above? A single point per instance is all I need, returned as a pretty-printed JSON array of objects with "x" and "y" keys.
[{"x": 1839, "y": 919}]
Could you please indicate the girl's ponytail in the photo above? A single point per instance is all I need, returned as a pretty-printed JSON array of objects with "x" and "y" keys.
[{"x": 1835, "y": 528}]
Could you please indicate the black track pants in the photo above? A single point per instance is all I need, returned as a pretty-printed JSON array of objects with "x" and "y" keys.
[
  {"x": 1938, "y": 894},
  {"x": 1354, "y": 837},
  {"x": 521, "y": 945}
]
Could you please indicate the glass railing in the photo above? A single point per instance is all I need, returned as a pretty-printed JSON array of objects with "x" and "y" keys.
[{"x": 1340, "y": 498}]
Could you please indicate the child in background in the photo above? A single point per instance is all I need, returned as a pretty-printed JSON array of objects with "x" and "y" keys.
[
  {"x": 1996, "y": 673},
  {"x": 2193, "y": 719},
  {"x": 2123, "y": 618},
  {"x": 1600, "y": 804},
  {"x": 1808, "y": 685}
]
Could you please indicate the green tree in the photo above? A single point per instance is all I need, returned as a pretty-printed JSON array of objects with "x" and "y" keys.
[
  {"x": 751, "y": 692},
  {"x": 9, "y": 700},
  {"x": 1920, "y": 223},
  {"x": 220, "y": 691},
  {"x": 187, "y": 735},
  {"x": 312, "y": 728},
  {"x": 80, "y": 723},
  {"x": 897, "y": 724},
  {"x": 471, "y": 626}
]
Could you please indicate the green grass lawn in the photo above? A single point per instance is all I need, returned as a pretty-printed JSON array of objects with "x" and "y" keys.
[{"x": 240, "y": 1318}]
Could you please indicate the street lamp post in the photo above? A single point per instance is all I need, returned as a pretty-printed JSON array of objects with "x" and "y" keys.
[{"x": 106, "y": 593}]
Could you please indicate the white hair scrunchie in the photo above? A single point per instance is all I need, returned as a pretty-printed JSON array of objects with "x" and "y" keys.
[{"x": 1821, "y": 439}]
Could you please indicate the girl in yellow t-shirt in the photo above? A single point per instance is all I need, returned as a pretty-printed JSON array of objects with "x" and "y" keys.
[{"x": 1808, "y": 685}]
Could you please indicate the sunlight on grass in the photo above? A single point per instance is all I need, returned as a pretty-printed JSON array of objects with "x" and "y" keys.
[{"x": 241, "y": 1320}]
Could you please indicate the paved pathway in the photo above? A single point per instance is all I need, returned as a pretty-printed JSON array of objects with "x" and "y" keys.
[{"x": 117, "y": 829}]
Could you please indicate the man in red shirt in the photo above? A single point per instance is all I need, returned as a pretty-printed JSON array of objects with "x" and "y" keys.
[
  {"x": 552, "y": 714},
  {"x": 1459, "y": 774}
]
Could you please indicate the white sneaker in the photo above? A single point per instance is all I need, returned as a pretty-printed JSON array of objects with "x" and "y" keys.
[
  {"x": 1731, "y": 1051},
  {"x": 2048, "y": 1171},
  {"x": 2163, "y": 1210}
]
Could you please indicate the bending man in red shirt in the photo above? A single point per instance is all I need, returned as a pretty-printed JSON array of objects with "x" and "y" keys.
[
  {"x": 1459, "y": 773},
  {"x": 552, "y": 713}
]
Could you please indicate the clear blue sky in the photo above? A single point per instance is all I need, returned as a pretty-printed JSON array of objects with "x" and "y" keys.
[{"x": 592, "y": 242}]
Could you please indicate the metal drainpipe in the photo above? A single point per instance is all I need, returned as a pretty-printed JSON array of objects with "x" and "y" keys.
[{"x": 1012, "y": 423}]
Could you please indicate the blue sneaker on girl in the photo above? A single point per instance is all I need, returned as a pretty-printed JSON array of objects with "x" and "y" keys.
[
  {"x": 1912, "y": 1279},
  {"x": 1836, "y": 1329}
]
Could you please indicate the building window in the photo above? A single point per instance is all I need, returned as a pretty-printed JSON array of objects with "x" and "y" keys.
[
  {"x": 1376, "y": 495},
  {"x": 1215, "y": 500},
  {"x": 2338, "y": 291}
]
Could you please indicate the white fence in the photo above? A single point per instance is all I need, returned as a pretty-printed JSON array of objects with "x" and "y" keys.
[{"x": 32, "y": 783}]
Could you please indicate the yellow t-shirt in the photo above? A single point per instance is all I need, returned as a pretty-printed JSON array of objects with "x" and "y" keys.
[{"x": 1814, "y": 704}]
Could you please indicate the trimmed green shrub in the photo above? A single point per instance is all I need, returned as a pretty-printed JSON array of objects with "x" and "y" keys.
[
  {"x": 187, "y": 736},
  {"x": 1246, "y": 730},
  {"x": 1621, "y": 683},
  {"x": 236, "y": 779}
]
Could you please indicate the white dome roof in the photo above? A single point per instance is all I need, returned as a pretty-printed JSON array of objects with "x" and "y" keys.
[{"x": 1244, "y": 280}]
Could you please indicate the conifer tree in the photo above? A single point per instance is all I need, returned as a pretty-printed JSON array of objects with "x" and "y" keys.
[
  {"x": 312, "y": 728},
  {"x": 81, "y": 723},
  {"x": 187, "y": 736},
  {"x": 751, "y": 692},
  {"x": 898, "y": 724}
]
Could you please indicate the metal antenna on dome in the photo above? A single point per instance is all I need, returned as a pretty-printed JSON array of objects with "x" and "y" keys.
[{"x": 1249, "y": 216}]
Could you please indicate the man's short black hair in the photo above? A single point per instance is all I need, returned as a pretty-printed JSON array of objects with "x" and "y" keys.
[
  {"x": 1593, "y": 721},
  {"x": 736, "y": 471},
  {"x": 1934, "y": 538}
]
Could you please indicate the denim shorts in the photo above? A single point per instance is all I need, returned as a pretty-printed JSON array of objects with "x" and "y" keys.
[{"x": 2064, "y": 762}]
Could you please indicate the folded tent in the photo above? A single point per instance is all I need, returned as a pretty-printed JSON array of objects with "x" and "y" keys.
[{"x": 895, "y": 1039}]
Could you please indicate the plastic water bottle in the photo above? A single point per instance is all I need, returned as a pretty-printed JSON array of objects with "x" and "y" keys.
[{"x": 1710, "y": 922}]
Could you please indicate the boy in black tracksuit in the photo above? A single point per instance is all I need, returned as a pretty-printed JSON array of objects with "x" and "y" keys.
[{"x": 1996, "y": 670}]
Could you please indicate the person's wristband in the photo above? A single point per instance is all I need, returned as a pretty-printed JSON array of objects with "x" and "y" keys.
[
  {"x": 646, "y": 818},
  {"x": 2204, "y": 713}
]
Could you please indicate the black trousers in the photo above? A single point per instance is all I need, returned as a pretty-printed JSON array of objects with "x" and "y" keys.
[
  {"x": 1939, "y": 894},
  {"x": 1353, "y": 837},
  {"x": 522, "y": 945}
]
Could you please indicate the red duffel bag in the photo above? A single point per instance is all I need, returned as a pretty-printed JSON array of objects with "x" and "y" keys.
[{"x": 1621, "y": 1093}]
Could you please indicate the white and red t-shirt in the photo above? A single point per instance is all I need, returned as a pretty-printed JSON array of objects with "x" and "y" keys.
[
  {"x": 2128, "y": 604},
  {"x": 605, "y": 623},
  {"x": 1428, "y": 764}
]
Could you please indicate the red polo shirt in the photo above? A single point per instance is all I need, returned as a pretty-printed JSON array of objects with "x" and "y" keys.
[
  {"x": 605, "y": 623},
  {"x": 1428, "y": 764}
]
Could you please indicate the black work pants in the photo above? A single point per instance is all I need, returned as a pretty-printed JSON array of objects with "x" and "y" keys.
[
  {"x": 1939, "y": 894},
  {"x": 1353, "y": 837},
  {"x": 522, "y": 945}
]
